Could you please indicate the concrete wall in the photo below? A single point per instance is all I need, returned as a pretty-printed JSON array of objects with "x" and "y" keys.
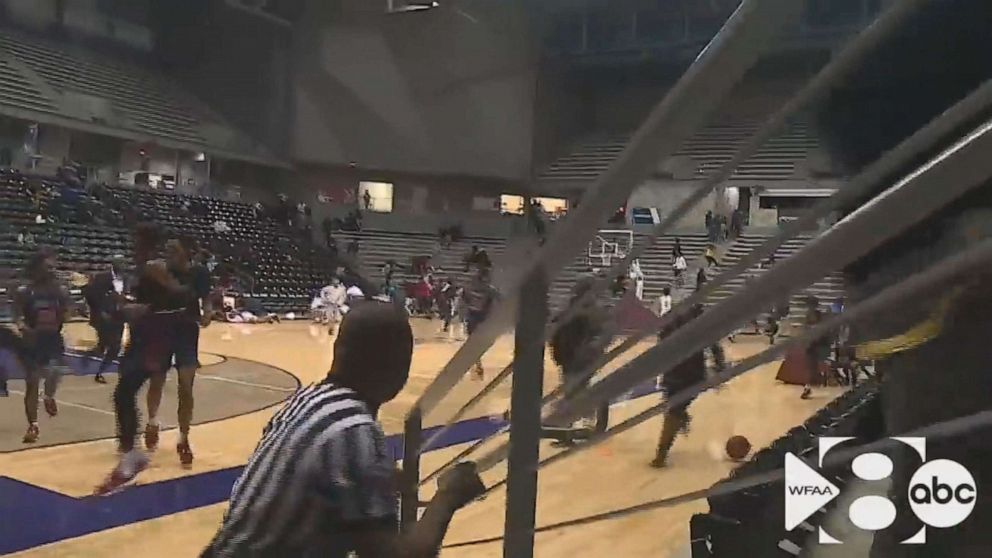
[
  {"x": 435, "y": 91},
  {"x": 237, "y": 63},
  {"x": 561, "y": 112},
  {"x": 53, "y": 146},
  {"x": 39, "y": 15}
]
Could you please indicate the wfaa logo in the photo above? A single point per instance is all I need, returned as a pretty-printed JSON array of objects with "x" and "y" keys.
[{"x": 941, "y": 492}]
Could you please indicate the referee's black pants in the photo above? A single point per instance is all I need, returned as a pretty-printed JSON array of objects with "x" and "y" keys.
[{"x": 109, "y": 335}]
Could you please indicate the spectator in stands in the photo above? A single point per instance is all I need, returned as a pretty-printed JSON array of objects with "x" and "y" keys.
[
  {"x": 367, "y": 198},
  {"x": 353, "y": 247},
  {"x": 352, "y": 221},
  {"x": 327, "y": 227},
  {"x": 477, "y": 257},
  {"x": 708, "y": 220},
  {"x": 736, "y": 223},
  {"x": 388, "y": 269},
  {"x": 389, "y": 291},
  {"x": 665, "y": 301},
  {"x": 535, "y": 218},
  {"x": 677, "y": 248},
  {"x": 710, "y": 255},
  {"x": 769, "y": 261},
  {"x": 208, "y": 260},
  {"x": 221, "y": 226},
  {"x": 722, "y": 228},
  {"x": 701, "y": 278},
  {"x": 679, "y": 266}
]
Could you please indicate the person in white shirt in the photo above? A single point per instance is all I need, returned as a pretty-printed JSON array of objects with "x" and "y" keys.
[
  {"x": 333, "y": 299},
  {"x": 352, "y": 294},
  {"x": 637, "y": 275},
  {"x": 680, "y": 265},
  {"x": 665, "y": 301}
]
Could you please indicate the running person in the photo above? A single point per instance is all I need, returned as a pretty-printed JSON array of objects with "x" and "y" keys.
[
  {"x": 479, "y": 297},
  {"x": 578, "y": 342},
  {"x": 40, "y": 310},
  {"x": 683, "y": 376},
  {"x": 153, "y": 318},
  {"x": 105, "y": 298},
  {"x": 193, "y": 305},
  {"x": 334, "y": 298}
]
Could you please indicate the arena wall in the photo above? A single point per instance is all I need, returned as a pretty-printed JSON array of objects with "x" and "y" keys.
[
  {"x": 442, "y": 91},
  {"x": 202, "y": 42}
]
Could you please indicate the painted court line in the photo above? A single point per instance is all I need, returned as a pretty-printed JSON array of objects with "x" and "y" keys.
[
  {"x": 63, "y": 402},
  {"x": 280, "y": 389}
]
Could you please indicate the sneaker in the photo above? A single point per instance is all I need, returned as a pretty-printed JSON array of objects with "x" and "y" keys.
[
  {"x": 806, "y": 393},
  {"x": 151, "y": 436},
  {"x": 31, "y": 436},
  {"x": 51, "y": 407},
  {"x": 659, "y": 462},
  {"x": 185, "y": 454},
  {"x": 120, "y": 476},
  {"x": 99, "y": 379}
]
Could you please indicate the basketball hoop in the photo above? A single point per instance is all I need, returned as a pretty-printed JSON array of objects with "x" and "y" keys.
[{"x": 609, "y": 245}]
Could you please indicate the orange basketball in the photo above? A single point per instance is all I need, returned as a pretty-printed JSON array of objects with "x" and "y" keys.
[{"x": 738, "y": 447}]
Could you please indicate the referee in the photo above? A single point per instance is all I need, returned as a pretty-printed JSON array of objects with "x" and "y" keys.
[{"x": 321, "y": 482}]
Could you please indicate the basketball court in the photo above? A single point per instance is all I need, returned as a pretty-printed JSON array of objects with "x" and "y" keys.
[{"x": 249, "y": 369}]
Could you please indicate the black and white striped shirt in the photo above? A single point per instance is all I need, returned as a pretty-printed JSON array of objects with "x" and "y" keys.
[{"x": 321, "y": 469}]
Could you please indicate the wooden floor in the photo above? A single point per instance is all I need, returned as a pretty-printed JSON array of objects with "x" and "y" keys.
[{"x": 601, "y": 479}]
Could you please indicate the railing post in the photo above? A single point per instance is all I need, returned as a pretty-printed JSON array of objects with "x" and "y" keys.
[
  {"x": 410, "y": 477},
  {"x": 525, "y": 417}
]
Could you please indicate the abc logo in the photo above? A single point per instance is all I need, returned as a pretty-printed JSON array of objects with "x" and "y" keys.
[{"x": 942, "y": 493}]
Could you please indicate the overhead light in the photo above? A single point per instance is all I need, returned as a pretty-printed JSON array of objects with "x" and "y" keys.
[
  {"x": 201, "y": 156},
  {"x": 415, "y": 7}
]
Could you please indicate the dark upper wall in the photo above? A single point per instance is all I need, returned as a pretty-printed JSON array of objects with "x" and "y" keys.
[
  {"x": 441, "y": 91},
  {"x": 237, "y": 62},
  {"x": 116, "y": 25}
]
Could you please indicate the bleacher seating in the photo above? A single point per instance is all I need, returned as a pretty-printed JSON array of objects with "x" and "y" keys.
[
  {"x": 709, "y": 148},
  {"x": 826, "y": 289},
  {"x": 377, "y": 247},
  {"x": 40, "y": 75},
  {"x": 283, "y": 270},
  {"x": 19, "y": 91}
]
